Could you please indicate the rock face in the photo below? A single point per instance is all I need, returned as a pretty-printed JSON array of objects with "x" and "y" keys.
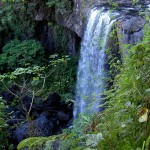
[
  {"x": 131, "y": 29},
  {"x": 130, "y": 24},
  {"x": 77, "y": 20},
  {"x": 56, "y": 38}
]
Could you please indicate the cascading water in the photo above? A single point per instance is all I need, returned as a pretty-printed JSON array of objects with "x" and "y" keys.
[{"x": 91, "y": 75}]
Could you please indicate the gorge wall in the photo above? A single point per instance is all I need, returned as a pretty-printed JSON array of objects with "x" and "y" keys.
[
  {"x": 130, "y": 23},
  {"x": 78, "y": 19}
]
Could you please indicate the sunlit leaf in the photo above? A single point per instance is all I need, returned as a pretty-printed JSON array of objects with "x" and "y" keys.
[
  {"x": 144, "y": 115},
  {"x": 93, "y": 139}
]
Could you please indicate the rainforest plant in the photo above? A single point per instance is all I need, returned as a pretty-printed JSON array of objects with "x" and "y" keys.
[{"x": 63, "y": 78}]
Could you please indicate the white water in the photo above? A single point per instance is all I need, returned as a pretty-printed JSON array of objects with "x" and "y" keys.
[{"x": 91, "y": 75}]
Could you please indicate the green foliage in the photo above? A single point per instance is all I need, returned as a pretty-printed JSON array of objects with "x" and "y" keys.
[
  {"x": 4, "y": 135},
  {"x": 60, "y": 37},
  {"x": 58, "y": 76},
  {"x": 112, "y": 3},
  {"x": 20, "y": 54},
  {"x": 17, "y": 19},
  {"x": 62, "y": 5},
  {"x": 145, "y": 145},
  {"x": 25, "y": 79},
  {"x": 32, "y": 143},
  {"x": 120, "y": 119},
  {"x": 38, "y": 143},
  {"x": 81, "y": 134},
  {"x": 63, "y": 77},
  {"x": 134, "y": 2}
]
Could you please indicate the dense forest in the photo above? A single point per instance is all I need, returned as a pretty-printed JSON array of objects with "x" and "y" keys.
[{"x": 45, "y": 48}]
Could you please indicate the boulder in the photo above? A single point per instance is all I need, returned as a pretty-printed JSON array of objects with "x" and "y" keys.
[
  {"x": 39, "y": 127},
  {"x": 26, "y": 101},
  {"x": 63, "y": 116},
  {"x": 9, "y": 95}
]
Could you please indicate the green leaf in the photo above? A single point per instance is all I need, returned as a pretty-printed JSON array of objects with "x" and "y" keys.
[{"x": 93, "y": 139}]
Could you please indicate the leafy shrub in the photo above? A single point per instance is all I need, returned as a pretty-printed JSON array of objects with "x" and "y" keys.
[
  {"x": 20, "y": 54},
  {"x": 63, "y": 78},
  {"x": 58, "y": 76}
]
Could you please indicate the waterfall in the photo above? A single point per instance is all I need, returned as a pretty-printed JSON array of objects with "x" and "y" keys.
[{"x": 91, "y": 75}]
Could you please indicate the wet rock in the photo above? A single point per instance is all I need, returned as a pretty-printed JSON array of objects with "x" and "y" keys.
[
  {"x": 26, "y": 101},
  {"x": 55, "y": 38},
  {"x": 56, "y": 145},
  {"x": 76, "y": 20},
  {"x": 53, "y": 100},
  {"x": 67, "y": 108},
  {"x": 131, "y": 30},
  {"x": 16, "y": 118},
  {"x": 39, "y": 127},
  {"x": 9, "y": 95},
  {"x": 63, "y": 116}
]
